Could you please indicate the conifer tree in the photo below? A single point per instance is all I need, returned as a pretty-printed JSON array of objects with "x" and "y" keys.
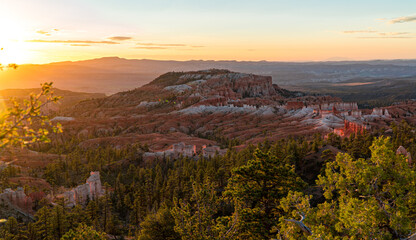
[{"x": 256, "y": 189}]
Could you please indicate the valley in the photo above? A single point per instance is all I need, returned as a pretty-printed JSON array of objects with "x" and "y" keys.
[
  {"x": 207, "y": 120},
  {"x": 201, "y": 118}
]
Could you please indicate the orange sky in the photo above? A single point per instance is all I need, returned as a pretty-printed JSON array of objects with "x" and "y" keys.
[{"x": 48, "y": 31}]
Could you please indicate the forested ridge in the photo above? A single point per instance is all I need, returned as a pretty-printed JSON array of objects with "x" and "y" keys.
[{"x": 365, "y": 191}]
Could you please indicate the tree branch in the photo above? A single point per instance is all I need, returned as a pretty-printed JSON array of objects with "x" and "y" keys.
[{"x": 300, "y": 224}]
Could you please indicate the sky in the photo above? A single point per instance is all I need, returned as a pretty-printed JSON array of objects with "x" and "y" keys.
[{"x": 43, "y": 31}]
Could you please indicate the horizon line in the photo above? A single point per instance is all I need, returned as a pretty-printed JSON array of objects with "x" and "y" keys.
[{"x": 226, "y": 60}]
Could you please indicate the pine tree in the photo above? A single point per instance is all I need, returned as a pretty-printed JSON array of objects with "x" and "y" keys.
[
  {"x": 196, "y": 219},
  {"x": 255, "y": 189}
]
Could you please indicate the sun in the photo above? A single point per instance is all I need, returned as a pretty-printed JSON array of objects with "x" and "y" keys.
[
  {"x": 13, "y": 53},
  {"x": 14, "y": 48}
]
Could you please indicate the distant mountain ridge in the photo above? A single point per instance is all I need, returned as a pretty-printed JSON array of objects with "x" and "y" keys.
[{"x": 112, "y": 74}]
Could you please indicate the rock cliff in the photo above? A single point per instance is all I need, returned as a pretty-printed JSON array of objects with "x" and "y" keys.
[
  {"x": 81, "y": 194},
  {"x": 18, "y": 199}
]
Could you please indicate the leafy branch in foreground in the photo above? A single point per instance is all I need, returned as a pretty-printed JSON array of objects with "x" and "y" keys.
[
  {"x": 370, "y": 198},
  {"x": 24, "y": 123}
]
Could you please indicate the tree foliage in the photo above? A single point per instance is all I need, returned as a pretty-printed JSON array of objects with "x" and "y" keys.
[
  {"x": 83, "y": 232},
  {"x": 371, "y": 198},
  {"x": 365, "y": 192},
  {"x": 24, "y": 124},
  {"x": 256, "y": 189}
]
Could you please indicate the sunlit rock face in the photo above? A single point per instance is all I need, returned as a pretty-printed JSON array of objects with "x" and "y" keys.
[
  {"x": 245, "y": 85},
  {"x": 381, "y": 112},
  {"x": 190, "y": 107},
  {"x": 338, "y": 106},
  {"x": 182, "y": 149},
  {"x": 91, "y": 190},
  {"x": 174, "y": 151},
  {"x": 224, "y": 85},
  {"x": 17, "y": 199}
]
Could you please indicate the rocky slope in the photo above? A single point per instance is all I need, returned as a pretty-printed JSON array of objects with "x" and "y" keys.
[
  {"x": 201, "y": 107},
  {"x": 182, "y": 89},
  {"x": 211, "y": 107}
]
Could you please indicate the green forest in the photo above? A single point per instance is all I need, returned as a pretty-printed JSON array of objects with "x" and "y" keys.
[{"x": 366, "y": 191}]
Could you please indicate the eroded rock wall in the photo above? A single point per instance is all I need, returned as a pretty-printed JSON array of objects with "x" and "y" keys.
[
  {"x": 18, "y": 199},
  {"x": 81, "y": 194}
]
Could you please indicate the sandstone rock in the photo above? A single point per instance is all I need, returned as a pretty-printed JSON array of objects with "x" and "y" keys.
[
  {"x": 178, "y": 88},
  {"x": 356, "y": 114},
  {"x": 174, "y": 151},
  {"x": 339, "y": 106},
  {"x": 381, "y": 112},
  {"x": 18, "y": 199},
  {"x": 349, "y": 128},
  {"x": 216, "y": 109},
  {"x": 332, "y": 121},
  {"x": 146, "y": 104},
  {"x": 91, "y": 190},
  {"x": 241, "y": 105},
  {"x": 263, "y": 111},
  {"x": 211, "y": 151},
  {"x": 182, "y": 148},
  {"x": 294, "y": 105},
  {"x": 196, "y": 82},
  {"x": 303, "y": 112}
]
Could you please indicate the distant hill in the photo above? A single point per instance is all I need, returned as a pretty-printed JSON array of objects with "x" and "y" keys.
[
  {"x": 368, "y": 93},
  {"x": 193, "y": 107},
  {"x": 112, "y": 74}
]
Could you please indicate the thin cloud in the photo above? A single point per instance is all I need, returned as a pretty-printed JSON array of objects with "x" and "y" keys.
[
  {"x": 163, "y": 44},
  {"x": 166, "y": 46},
  {"x": 388, "y": 37},
  {"x": 43, "y": 32},
  {"x": 393, "y": 33},
  {"x": 72, "y": 41},
  {"x": 404, "y": 19},
  {"x": 47, "y": 33},
  {"x": 80, "y": 45},
  {"x": 120, "y": 38},
  {"x": 377, "y": 34},
  {"x": 359, "y": 31},
  {"x": 151, "y": 48}
]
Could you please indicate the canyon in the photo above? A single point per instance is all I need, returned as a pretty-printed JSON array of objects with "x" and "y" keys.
[
  {"x": 198, "y": 106},
  {"x": 17, "y": 203},
  {"x": 91, "y": 190},
  {"x": 192, "y": 114}
]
